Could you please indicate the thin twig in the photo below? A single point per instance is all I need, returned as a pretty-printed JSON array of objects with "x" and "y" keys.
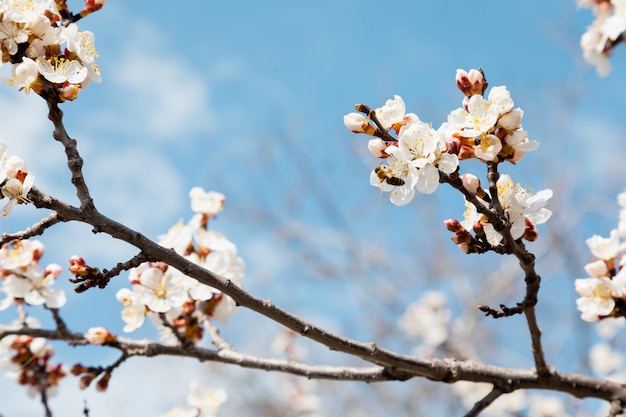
[
  {"x": 185, "y": 342},
  {"x": 516, "y": 247},
  {"x": 485, "y": 402},
  {"x": 44, "y": 397},
  {"x": 217, "y": 340},
  {"x": 95, "y": 278},
  {"x": 35, "y": 230},
  {"x": 61, "y": 326}
]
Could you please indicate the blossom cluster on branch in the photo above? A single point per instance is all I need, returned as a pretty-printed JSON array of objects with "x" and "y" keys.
[
  {"x": 488, "y": 129},
  {"x": 24, "y": 280},
  {"x": 15, "y": 179},
  {"x": 28, "y": 360},
  {"x": 161, "y": 289},
  {"x": 603, "y": 294},
  {"x": 606, "y": 31},
  {"x": 47, "y": 51}
]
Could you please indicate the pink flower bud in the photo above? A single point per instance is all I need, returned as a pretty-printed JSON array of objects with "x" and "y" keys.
[
  {"x": 77, "y": 264},
  {"x": 462, "y": 236},
  {"x": 462, "y": 80},
  {"x": 453, "y": 225},
  {"x": 478, "y": 228},
  {"x": 464, "y": 247},
  {"x": 470, "y": 83},
  {"x": 69, "y": 92},
  {"x": 377, "y": 148},
  {"x": 597, "y": 269},
  {"x": 97, "y": 335},
  {"x": 91, "y": 6},
  {"x": 76, "y": 260},
  {"x": 471, "y": 183},
  {"x": 85, "y": 380},
  {"x": 103, "y": 383},
  {"x": 53, "y": 269},
  {"x": 78, "y": 369}
]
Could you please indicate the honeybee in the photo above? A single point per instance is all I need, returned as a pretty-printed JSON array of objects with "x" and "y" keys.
[{"x": 385, "y": 175}]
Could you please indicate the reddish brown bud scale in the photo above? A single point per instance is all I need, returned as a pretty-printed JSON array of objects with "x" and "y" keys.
[{"x": 453, "y": 225}]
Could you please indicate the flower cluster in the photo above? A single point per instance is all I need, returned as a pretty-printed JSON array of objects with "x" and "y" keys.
[
  {"x": 24, "y": 280},
  {"x": 159, "y": 288},
  {"x": 522, "y": 209},
  {"x": 488, "y": 129},
  {"x": 413, "y": 160},
  {"x": 485, "y": 128},
  {"x": 604, "y": 33},
  {"x": 45, "y": 48},
  {"x": 27, "y": 360},
  {"x": 16, "y": 180},
  {"x": 603, "y": 294}
]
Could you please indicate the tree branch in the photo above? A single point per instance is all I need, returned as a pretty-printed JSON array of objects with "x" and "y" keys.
[
  {"x": 35, "y": 230},
  {"x": 74, "y": 160},
  {"x": 526, "y": 261},
  {"x": 444, "y": 370}
]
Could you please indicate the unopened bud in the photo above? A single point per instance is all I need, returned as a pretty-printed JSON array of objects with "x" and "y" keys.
[
  {"x": 79, "y": 369},
  {"x": 462, "y": 236},
  {"x": 470, "y": 83},
  {"x": 358, "y": 123},
  {"x": 78, "y": 266},
  {"x": 453, "y": 146},
  {"x": 103, "y": 383},
  {"x": 86, "y": 380},
  {"x": 464, "y": 247},
  {"x": 530, "y": 234},
  {"x": 69, "y": 92},
  {"x": 597, "y": 269},
  {"x": 77, "y": 260},
  {"x": 99, "y": 336},
  {"x": 91, "y": 6},
  {"x": 377, "y": 147},
  {"x": 53, "y": 269},
  {"x": 453, "y": 225},
  {"x": 471, "y": 183}
]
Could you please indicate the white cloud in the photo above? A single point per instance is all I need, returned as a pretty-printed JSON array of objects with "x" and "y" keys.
[{"x": 166, "y": 94}]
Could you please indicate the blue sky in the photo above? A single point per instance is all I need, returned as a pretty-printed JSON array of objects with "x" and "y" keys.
[{"x": 247, "y": 98}]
